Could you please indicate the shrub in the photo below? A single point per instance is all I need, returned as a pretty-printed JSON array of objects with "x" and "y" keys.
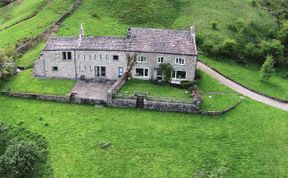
[
  {"x": 267, "y": 68},
  {"x": 186, "y": 84},
  {"x": 228, "y": 47},
  {"x": 272, "y": 47},
  {"x": 19, "y": 159},
  {"x": 167, "y": 70},
  {"x": 254, "y": 3},
  {"x": 214, "y": 26}
]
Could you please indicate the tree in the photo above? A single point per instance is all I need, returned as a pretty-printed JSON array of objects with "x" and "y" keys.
[
  {"x": 7, "y": 67},
  {"x": 267, "y": 69},
  {"x": 131, "y": 61},
  {"x": 167, "y": 70},
  {"x": 19, "y": 159},
  {"x": 272, "y": 47}
]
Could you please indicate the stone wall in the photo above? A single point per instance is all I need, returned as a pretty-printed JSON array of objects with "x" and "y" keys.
[
  {"x": 155, "y": 105},
  {"x": 116, "y": 86},
  {"x": 63, "y": 99}
]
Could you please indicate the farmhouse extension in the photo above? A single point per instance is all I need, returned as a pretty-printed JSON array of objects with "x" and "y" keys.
[{"x": 105, "y": 58}]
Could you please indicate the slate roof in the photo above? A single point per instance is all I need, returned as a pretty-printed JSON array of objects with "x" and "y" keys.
[{"x": 139, "y": 40}]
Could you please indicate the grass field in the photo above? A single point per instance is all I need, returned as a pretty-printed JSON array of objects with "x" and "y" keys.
[
  {"x": 250, "y": 76},
  {"x": 36, "y": 25},
  {"x": 113, "y": 17},
  {"x": 25, "y": 82},
  {"x": 18, "y": 11},
  {"x": 247, "y": 142}
]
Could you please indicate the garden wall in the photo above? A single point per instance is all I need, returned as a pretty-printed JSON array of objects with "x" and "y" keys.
[
  {"x": 62, "y": 99},
  {"x": 155, "y": 105},
  {"x": 116, "y": 87}
]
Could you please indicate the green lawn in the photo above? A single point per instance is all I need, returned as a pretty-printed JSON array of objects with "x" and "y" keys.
[
  {"x": 250, "y": 77},
  {"x": 19, "y": 10},
  {"x": 154, "y": 90},
  {"x": 25, "y": 82},
  {"x": 247, "y": 142},
  {"x": 211, "y": 100}
]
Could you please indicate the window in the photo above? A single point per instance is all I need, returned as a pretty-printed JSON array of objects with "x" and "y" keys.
[
  {"x": 160, "y": 60},
  {"x": 141, "y": 59},
  {"x": 120, "y": 71},
  {"x": 100, "y": 71},
  {"x": 179, "y": 75},
  {"x": 103, "y": 71},
  {"x": 115, "y": 57},
  {"x": 54, "y": 68},
  {"x": 66, "y": 55},
  {"x": 180, "y": 61},
  {"x": 140, "y": 72}
]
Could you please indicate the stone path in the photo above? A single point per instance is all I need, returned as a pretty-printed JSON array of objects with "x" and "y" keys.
[
  {"x": 240, "y": 89},
  {"x": 92, "y": 89}
]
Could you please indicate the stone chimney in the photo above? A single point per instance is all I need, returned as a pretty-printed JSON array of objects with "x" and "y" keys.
[
  {"x": 193, "y": 36},
  {"x": 81, "y": 32},
  {"x": 129, "y": 35},
  {"x": 192, "y": 30}
]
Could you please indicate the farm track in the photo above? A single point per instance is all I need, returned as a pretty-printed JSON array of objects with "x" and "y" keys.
[{"x": 241, "y": 89}]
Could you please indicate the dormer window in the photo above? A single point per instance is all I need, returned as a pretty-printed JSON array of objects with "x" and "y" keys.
[
  {"x": 66, "y": 55},
  {"x": 141, "y": 59},
  {"x": 180, "y": 61}
]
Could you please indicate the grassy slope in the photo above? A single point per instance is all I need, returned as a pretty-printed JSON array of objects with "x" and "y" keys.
[
  {"x": 25, "y": 82},
  {"x": 108, "y": 18},
  {"x": 28, "y": 59},
  {"x": 35, "y": 25},
  {"x": 17, "y": 11},
  {"x": 247, "y": 142},
  {"x": 250, "y": 77}
]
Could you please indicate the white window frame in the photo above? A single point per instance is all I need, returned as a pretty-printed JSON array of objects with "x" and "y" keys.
[
  {"x": 160, "y": 60},
  {"x": 148, "y": 73},
  {"x": 141, "y": 59},
  {"x": 180, "y": 61}
]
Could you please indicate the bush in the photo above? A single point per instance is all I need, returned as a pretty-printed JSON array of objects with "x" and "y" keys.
[
  {"x": 272, "y": 47},
  {"x": 254, "y": 3},
  {"x": 214, "y": 26},
  {"x": 19, "y": 159},
  {"x": 167, "y": 70},
  {"x": 267, "y": 68},
  {"x": 186, "y": 84}
]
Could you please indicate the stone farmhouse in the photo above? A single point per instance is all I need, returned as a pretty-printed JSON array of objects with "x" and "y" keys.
[{"x": 105, "y": 58}]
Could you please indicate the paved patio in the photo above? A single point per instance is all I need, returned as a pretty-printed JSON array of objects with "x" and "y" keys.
[{"x": 92, "y": 89}]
